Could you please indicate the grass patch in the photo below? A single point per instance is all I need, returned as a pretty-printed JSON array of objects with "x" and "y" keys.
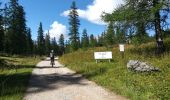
[
  {"x": 115, "y": 76},
  {"x": 14, "y": 76}
]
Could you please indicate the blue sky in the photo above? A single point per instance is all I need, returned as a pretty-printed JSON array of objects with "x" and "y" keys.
[
  {"x": 48, "y": 11},
  {"x": 53, "y": 15}
]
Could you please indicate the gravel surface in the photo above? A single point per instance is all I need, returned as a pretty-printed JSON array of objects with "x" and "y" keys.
[{"x": 61, "y": 83}]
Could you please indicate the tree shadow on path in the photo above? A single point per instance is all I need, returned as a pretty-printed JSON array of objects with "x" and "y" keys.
[{"x": 48, "y": 82}]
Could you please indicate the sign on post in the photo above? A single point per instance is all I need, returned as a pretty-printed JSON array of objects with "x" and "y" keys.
[
  {"x": 102, "y": 55},
  {"x": 122, "y": 49}
]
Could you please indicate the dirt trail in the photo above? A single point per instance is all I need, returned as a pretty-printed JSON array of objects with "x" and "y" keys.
[{"x": 61, "y": 83}]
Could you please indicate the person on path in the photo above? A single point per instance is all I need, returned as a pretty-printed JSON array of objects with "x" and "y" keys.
[{"x": 52, "y": 57}]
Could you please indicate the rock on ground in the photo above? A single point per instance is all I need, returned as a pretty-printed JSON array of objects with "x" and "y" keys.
[{"x": 139, "y": 66}]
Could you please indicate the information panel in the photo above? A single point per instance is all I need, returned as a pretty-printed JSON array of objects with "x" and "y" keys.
[{"x": 103, "y": 55}]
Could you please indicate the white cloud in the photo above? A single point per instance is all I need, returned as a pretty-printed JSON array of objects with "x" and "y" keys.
[
  {"x": 56, "y": 29},
  {"x": 94, "y": 11}
]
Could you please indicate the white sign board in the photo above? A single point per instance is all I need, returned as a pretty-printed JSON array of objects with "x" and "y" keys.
[
  {"x": 103, "y": 55},
  {"x": 122, "y": 47}
]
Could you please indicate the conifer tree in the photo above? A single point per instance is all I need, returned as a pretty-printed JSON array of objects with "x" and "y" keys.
[
  {"x": 47, "y": 43},
  {"x": 54, "y": 46},
  {"x": 16, "y": 30},
  {"x": 85, "y": 39},
  {"x": 110, "y": 36},
  {"x": 29, "y": 42},
  {"x": 74, "y": 26},
  {"x": 93, "y": 41},
  {"x": 1, "y": 33},
  {"x": 61, "y": 44},
  {"x": 101, "y": 39},
  {"x": 40, "y": 41}
]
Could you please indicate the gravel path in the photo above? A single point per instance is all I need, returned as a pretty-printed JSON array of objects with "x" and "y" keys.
[{"x": 61, "y": 83}]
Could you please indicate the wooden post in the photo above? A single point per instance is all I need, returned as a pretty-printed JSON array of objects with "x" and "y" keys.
[
  {"x": 122, "y": 53},
  {"x": 122, "y": 49}
]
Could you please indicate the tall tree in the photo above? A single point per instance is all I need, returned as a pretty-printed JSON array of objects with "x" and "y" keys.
[
  {"x": 54, "y": 46},
  {"x": 110, "y": 36},
  {"x": 35, "y": 47},
  {"x": 16, "y": 30},
  {"x": 40, "y": 40},
  {"x": 74, "y": 26},
  {"x": 101, "y": 39},
  {"x": 47, "y": 43},
  {"x": 5, "y": 17},
  {"x": 143, "y": 14},
  {"x": 158, "y": 7},
  {"x": 1, "y": 32},
  {"x": 29, "y": 42},
  {"x": 61, "y": 44},
  {"x": 93, "y": 41},
  {"x": 85, "y": 39}
]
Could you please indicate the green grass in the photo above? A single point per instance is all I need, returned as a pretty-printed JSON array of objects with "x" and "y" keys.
[
  {"x": 14, "y": 76},
  {"x": 115, "y": 76}
]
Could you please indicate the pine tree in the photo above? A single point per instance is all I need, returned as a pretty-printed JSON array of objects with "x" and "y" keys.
[
  {"x": 47, "y": 43},
  {"x": 74, "y": 26},
  {"x": 35, "y": 48},
  {"x": 54, "y": 46},
  {"x": 16, "y": 30},
  {"x": 5, "y": 17},
  {"x": 85, "y": 39},
  {"x": 101, "y": 39},
  {"x": 61, "y": 44},
  {"x": 143, "y": 14},
  {"x": 93, "y": 41},
  {"x": 110, "y": 36},
  {"x": 1, "y": 33},
  {"x": 6, "y": 25},
  {"x": 29, "y": 42},
  {"x": 40, "y": 40}
]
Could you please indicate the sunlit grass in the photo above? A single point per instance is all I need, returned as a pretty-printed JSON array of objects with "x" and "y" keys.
[{"x": 115, "y": 76}]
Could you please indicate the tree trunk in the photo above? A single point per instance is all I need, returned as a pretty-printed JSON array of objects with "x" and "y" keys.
[{"x": 159, "y": 38}]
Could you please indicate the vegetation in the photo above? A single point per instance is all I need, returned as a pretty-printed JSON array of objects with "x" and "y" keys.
[
  {"x": 74, "y": 26},
  {"x": 127, "y": 24},
  {"x": 15, "y": 73},
  {"x": 115, "y": 76},
  {"x": 40, "y": 40},
  {"x": 110, "y": 36},
  {"x": 15, "y": 35},
  {"x": 47, "y": 43},
  {"x": 15, "y": 28},
  {"x": 140, "y": 16},
  {"x": 85, "y": 39},
  {"x": 61, "y": 44}
]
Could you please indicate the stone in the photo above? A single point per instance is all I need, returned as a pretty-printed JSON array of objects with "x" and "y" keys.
[{"x": 138, "y": 66}]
